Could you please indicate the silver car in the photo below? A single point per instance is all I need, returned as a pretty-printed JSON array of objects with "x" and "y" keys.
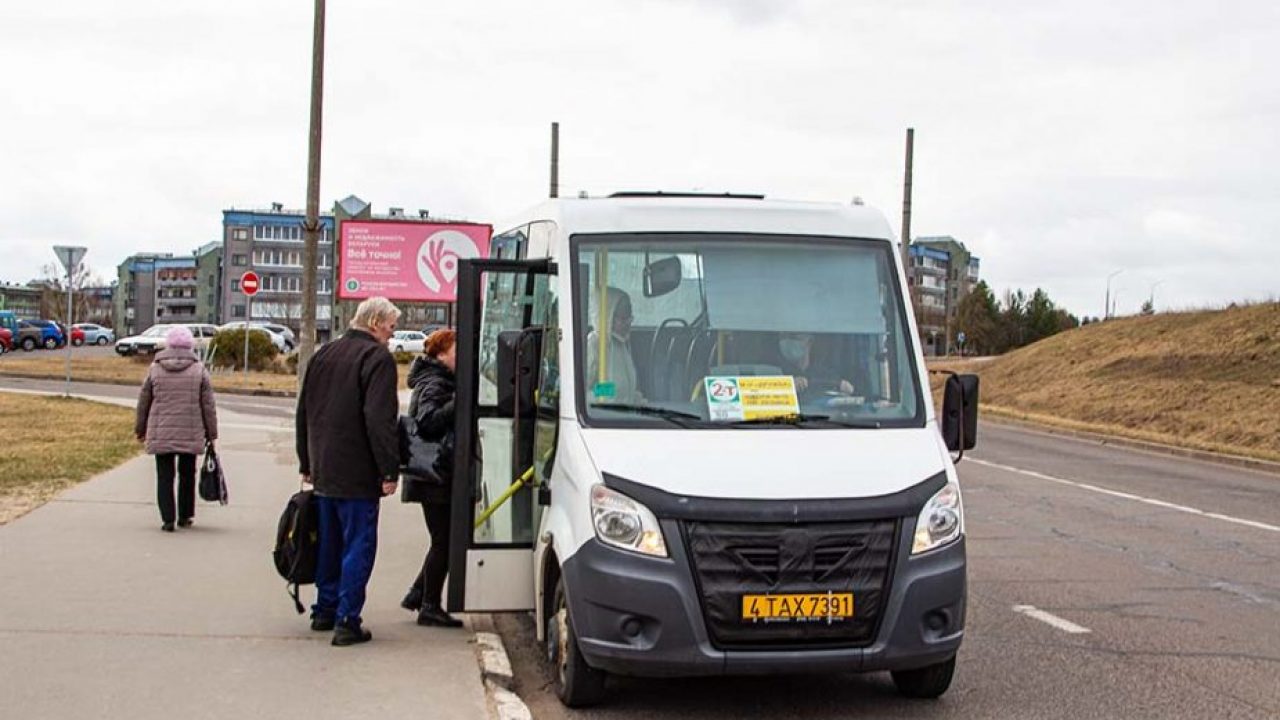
[{"x": 96, "y": 334}]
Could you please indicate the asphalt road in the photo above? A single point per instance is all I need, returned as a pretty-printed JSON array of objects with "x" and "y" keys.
[{"x": 1171, "y": 565}]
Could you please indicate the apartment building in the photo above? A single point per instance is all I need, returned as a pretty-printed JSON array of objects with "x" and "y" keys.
[
  {"x": 940, "y": 273},
  {"x": 270, "y": 242}
]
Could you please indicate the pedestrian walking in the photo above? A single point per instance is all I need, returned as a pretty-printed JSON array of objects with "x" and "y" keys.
[
  {"x": 432, "y": 408},
  {"x": 176, "y": 417},
  {"x": 349, "y": 451}
]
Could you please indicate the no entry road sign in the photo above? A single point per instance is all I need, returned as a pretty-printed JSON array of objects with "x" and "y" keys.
[{"x": 249, "y": 283}]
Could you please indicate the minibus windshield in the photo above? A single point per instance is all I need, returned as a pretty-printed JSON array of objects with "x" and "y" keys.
[{"x": 741, "y": 331}]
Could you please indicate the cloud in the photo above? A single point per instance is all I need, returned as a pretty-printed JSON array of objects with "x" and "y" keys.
[{"x": 1059, "y": 142}]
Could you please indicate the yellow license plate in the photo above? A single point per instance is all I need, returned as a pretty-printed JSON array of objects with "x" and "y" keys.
[{"x": 797, "y": 607}]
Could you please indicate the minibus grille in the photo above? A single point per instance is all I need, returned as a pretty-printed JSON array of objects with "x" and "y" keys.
[{"x": 731, "y": 560}]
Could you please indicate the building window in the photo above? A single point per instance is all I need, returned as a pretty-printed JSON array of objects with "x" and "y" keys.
[
  {"x": 239, "y": 260},
  {"x": 240, "y": 234},
  {"x": 237, "y": 311}
]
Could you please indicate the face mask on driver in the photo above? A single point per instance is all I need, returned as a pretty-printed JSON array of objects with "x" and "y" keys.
[{"x": 793, "y": 349}]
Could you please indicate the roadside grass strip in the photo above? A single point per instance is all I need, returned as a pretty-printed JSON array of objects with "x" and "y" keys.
[{"x": 52, "y": 443}]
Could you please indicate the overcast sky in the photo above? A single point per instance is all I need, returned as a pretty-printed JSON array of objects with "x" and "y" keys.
[{"x": 1059, "y": 144}]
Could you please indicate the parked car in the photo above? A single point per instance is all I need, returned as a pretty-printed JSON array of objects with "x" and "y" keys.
[
  {"x": 152, "y": 339},
  {"x": 51, "y": 336},
  {"x": 93, "y": 334},
  {"x": 283, "y": 331},
  {"x": 277, "y": 338},
  {"x": 6, "y": 340},
  {"x": 407, "y": 341},
  {"x": 24, "y": 335},
  {"x": 432, "y": 328}
]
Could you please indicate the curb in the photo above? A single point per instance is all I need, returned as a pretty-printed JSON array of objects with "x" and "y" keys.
[
  {"x": 496, "y": 673},
  {"x": 1249, "y": 463}
]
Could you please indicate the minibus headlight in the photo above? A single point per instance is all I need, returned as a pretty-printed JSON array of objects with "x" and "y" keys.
[
  {"x": 624, "y": 523},
  {"x": 941, "y": 521}
]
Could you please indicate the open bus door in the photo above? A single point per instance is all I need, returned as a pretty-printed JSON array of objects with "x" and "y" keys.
[{"x": 502, "y": 306}]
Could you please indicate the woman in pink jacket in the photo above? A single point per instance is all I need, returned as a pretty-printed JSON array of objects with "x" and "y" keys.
[{"x": 176, "y": 417}]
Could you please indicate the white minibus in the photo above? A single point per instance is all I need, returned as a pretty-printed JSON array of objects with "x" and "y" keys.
[{"x": 695, "y": 437}]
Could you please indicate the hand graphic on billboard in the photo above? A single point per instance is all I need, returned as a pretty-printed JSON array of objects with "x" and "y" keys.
[{"x": 438, "y": 259}]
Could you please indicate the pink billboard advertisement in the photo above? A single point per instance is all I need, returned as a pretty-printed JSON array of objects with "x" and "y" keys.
[{"x": 416, "y": 262}]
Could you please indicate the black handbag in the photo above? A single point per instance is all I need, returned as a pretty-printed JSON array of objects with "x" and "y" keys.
[
  {"x": 213, "y": 483},
  {"x": 417, "y": 464}
]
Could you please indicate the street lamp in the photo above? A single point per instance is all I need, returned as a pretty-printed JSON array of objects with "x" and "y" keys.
[
  {"x": 1106, "y": 305},
  {"x": 1151, "y": 298}
]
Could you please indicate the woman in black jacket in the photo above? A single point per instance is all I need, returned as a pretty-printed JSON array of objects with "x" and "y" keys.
[{"x": 431, "y": 405}]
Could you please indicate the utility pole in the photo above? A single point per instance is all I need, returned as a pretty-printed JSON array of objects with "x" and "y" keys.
[
  {"x": 906, "y": 201},
  {"x": 555, "y": 159},
  {"x": 311, "y": 226}
]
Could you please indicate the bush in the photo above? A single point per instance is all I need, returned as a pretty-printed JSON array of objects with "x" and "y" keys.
[
  {"x": 228, "y": 350},
  {"x": 403, "y": 358}
]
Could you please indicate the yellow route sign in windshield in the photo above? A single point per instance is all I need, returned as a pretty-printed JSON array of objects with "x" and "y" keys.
[{"x": 748, "y": 398}]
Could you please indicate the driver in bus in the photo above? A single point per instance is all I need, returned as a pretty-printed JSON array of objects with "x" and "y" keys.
[
  {"x": 619, "y": 382},
  {"x": 796, "y": 351}
]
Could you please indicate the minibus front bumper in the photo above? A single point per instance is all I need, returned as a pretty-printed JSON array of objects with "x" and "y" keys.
[{"x": 644, "y": 616}]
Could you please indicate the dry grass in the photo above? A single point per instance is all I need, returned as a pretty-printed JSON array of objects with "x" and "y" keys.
[
  {"x": 1206, "y": 380},
  {"x": 43, "y": 453},
  {"x": 132, "y": 371}
]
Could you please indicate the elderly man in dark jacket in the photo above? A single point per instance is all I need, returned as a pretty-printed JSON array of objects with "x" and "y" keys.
[{"x": 349, "y": 450}]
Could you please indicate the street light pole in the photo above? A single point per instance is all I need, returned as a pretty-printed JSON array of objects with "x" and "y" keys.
[
  {"x": 1106, "y": 305},
  {"x": 1151, "y": 298},
  {"x": 311, "y": 226}
]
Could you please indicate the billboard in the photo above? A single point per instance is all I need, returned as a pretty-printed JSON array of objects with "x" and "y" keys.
[{"x": 408, "y": 261}]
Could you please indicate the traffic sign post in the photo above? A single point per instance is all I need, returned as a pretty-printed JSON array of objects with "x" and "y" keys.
[
  {"x": 70, "y": 257},
  {"x": 249, "y": 284}
]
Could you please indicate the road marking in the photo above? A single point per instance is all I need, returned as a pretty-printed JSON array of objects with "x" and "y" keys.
[
  {"x": 1130, "y": 496},
  {"x": 1049, "y": 618}
]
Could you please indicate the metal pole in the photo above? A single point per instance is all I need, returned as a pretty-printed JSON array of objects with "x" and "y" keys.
[
  {"x": 248, "y": 317},
  {"x": 1106, "y": 305},
  {"x": 906, "y": 199},
  {"x": 555, "y": 159},
  {"x": 311, "y": 226},
  {"x": 70, "y": 291}
]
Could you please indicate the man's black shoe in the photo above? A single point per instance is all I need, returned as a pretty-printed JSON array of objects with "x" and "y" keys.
[
  {"x": 167, "y": 527},
  {"x": 434, "y": 615},
  {"x": 412, "y": 599},
  {"x": 322, "y": 624},
  {"x": 344, "y": 635},
  {"x": 186, "y": 522}
]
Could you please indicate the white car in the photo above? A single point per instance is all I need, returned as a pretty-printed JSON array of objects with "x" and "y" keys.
[
  {"x": 152, "y": 339},
  {"x": 410, "y": 341},
  {"x": 96, "y": 334},
  {"x": 280, "y": 341}
]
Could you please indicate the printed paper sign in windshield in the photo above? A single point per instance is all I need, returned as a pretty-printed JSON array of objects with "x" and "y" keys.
[
  {"x": 406, "y": 261},
  {"x": 748, "y": 398}
]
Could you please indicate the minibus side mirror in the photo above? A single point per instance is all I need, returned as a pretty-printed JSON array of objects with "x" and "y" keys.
[
  {"x": 662, "y": 276},
  {"x": 519, "y": 352},
  {"x": 960, "y": 412}
]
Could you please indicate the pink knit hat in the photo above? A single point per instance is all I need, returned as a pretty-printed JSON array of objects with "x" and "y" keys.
[{"x": 179, "y": 337}]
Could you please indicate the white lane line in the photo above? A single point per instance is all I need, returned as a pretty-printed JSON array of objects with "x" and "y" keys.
[
  {"x": 1049, "y": 618},
  {"x": 1130, "y": 496}
]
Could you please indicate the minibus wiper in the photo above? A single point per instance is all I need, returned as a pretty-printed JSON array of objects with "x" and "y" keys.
[
  {"x": 796, "y": 419},
  {"x": 675, "y": 416}
]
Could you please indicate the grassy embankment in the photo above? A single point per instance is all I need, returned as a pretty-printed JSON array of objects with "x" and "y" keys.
[
  {"x": 132, "y": 371},
  {"x": 1205, "y": 380},
  {"x": 53, "y": 443}
]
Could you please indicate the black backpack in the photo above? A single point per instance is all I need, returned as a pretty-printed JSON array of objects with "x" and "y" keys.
[{"x": 298, "y": 543}]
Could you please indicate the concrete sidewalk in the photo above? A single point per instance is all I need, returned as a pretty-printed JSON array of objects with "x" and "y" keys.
[{"x": 103, "y": 615}]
